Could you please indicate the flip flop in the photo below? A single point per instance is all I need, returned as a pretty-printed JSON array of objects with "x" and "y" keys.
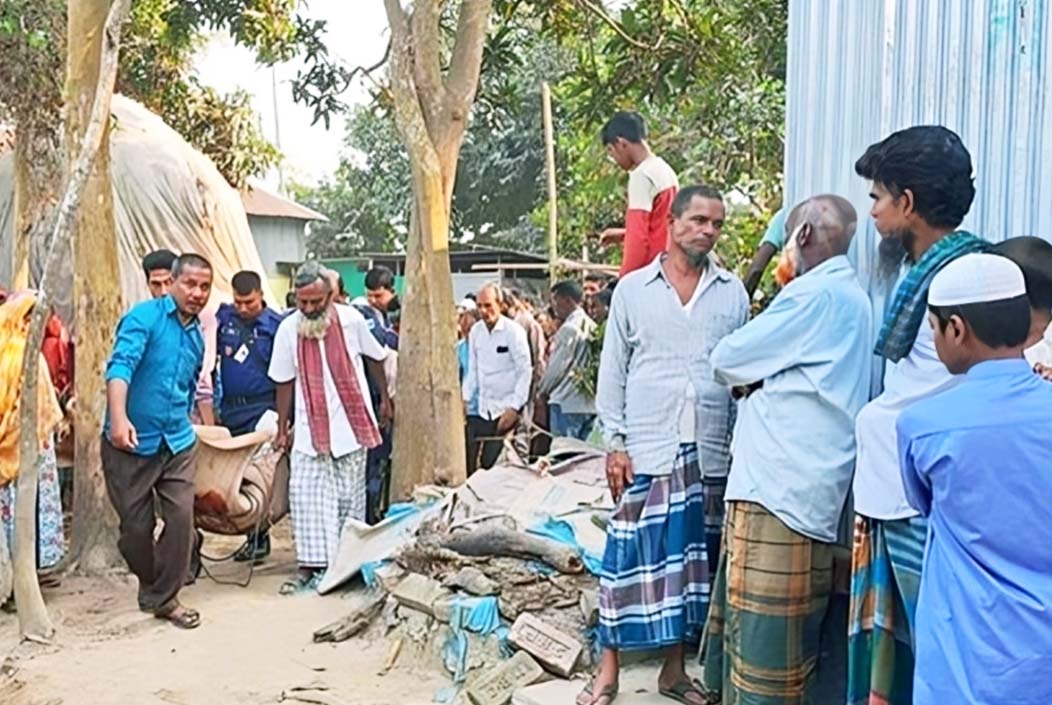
[
  {"x": 186, "y": 619},
  {"x": 301, "y": 583},
  {"x": 681, "y": 690},
  {"x": 587, "y": 696}
]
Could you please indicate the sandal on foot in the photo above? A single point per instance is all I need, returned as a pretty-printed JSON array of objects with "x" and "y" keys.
[
  {"x": 681, "y": 690},
  {"x": 606, "y": 696},
  {"x": 300, "y": 583},
  {"x": 182, "y": 617}
]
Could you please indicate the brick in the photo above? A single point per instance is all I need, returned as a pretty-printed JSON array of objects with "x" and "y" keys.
[
  {"x": 554, "y": 649},
  {"x": 419, "y": 592},
  {"x": 496, "y": 686}
]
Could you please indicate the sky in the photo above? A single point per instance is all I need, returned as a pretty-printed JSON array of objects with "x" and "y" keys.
[{"x": 357, "y": 36}]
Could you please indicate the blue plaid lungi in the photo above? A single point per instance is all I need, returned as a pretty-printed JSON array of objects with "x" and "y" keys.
[{"x": 654, "y": 585}]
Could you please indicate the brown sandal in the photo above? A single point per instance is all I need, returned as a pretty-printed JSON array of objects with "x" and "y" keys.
[
  {"x": 182, "y": 617},
  {"x": 606, "y": 696}
]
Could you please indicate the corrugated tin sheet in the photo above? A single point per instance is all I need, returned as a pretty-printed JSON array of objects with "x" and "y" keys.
[{"x": 860, "y": 69}]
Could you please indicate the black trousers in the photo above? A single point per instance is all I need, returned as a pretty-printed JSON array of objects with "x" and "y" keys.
[{"x": 482, "y": 453}]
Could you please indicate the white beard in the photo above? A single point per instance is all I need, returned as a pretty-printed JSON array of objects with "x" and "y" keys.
[{"x": 315, "y": 328}]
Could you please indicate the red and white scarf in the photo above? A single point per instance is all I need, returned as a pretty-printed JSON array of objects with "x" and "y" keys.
[{"x": 344, "y": 377}]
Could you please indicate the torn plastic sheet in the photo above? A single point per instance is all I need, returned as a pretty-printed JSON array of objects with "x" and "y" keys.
[{"x": 469, "y": 614}]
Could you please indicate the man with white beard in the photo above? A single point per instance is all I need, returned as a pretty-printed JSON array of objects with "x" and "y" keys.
[{"x": 321, "y": 353}]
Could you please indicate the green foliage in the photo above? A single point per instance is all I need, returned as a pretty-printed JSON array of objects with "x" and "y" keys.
[
  {"x": 32, "y": 52},
  {"x": 586, "y": 375}
]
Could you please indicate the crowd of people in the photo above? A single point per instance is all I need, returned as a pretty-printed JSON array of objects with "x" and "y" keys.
[{"x": 756, "y": 468}]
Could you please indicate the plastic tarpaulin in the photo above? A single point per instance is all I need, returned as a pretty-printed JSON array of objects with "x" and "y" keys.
[{"x": 166, "y": 194}]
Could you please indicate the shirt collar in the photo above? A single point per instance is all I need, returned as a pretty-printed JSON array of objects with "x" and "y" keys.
[
  {"x": 170, "y": 309},
  {"x": 654, "y": 270},
  {"x": 988, "y": 369},
  {"x": 499, "y": 325}
]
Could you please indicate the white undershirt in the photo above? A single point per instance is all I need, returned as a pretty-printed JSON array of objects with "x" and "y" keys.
[{"x": 687, "y": 426}]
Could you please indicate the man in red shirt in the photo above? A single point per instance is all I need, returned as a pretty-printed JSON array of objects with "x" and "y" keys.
[{"x": 652, "y": 184}]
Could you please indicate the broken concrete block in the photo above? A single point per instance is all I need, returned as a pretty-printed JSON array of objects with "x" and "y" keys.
[
  {"x": 442, "y": 608},
  {"x": 472, "y": 580},
  {"x": 554, "y": 649},
  {"x": 418, "y": 592},
  {"x": 496, "y": 686}
]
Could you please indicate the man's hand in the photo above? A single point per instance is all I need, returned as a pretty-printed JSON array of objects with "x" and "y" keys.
[
  {"x": 611, "y": 236},
  {"x": 619, "y": 473},
  {"x": 1043, "y": 371},
  {"x": 507, "y": 421},
  {"x": 386, "y": 412},
  {"x": 123, "y": 435},
  {"x": 283, "y": 439}
]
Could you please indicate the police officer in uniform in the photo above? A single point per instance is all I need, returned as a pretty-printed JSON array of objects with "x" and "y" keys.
[{"x": 244, "y": 391}]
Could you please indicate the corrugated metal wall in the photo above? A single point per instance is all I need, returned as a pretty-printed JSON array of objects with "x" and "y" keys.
[{"x": 859, "y": 69}]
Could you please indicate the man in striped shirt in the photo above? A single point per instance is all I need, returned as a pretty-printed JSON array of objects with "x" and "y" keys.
[{"x": 652, "y": 184}]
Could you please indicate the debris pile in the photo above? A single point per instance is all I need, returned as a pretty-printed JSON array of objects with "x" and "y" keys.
[{"x": 497, "y": 581}]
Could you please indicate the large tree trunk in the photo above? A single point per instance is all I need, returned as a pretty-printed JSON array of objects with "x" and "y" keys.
[
  {"x": 56, "y": 231},
  {"x": 431, "y": 111},
  {"x": 97, "y": 297}
]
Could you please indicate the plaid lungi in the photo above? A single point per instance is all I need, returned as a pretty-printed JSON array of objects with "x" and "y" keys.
[
  {"x": 323, "y": 493},
  {"x": 885, "y": 582},
  {"x": 769, "y": 598},
  {"x": 654, "y": 587}
]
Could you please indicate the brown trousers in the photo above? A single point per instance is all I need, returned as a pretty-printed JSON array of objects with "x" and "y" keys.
[{"x": 132, "y": 482}]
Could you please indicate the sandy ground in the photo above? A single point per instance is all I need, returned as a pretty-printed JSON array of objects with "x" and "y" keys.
[{"x": 252, "y": 646}]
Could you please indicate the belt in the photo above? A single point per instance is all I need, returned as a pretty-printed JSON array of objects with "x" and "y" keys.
[{"x": 235, "y": 402}]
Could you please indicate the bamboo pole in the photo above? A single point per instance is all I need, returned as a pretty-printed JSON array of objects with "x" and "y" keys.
[{"x": 549, "y": 154}]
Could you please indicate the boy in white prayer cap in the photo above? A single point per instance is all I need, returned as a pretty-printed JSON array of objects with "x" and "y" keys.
[{"x": 976, "y": 460}]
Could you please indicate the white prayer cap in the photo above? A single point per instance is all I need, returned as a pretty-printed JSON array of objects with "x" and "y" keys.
[
  {"x": 976, "y": 279},
  {"x": 466, "y": 304}
]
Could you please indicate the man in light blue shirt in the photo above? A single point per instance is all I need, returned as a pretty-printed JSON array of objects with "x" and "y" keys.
[
  {"x": 976, "y": 460},
  {"x": 667, "y": 424},
  {"x": 148, "y": 443},
  {"x": 806, "y": 360}
]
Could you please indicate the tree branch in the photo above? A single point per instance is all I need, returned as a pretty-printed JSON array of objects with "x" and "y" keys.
[
  {"x": 602, "y": 14},
  {"x": 33, "y": 619},
  {"x": 427, "y": 57},
  {"x": 466, "y": 63}
]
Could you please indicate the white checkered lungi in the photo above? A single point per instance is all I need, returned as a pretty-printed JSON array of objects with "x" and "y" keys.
[{"x": 323, "y": 493}]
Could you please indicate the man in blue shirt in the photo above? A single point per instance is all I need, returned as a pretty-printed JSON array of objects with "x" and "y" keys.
[
  {"x": 807, "y": 359},
  {"x": 244, "y": 342},
  {"x": 381, "y": 300},
  {"x": 149, "y": 445},
  {"x": 975, "y": 459}
]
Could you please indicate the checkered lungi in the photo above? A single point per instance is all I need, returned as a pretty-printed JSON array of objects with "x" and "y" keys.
[
  {"x": 654, "y": 586},
  {"x": 323, "y": 493},
  {"x": 769, "y": 598},
  {"x": 885, "y": 583}
]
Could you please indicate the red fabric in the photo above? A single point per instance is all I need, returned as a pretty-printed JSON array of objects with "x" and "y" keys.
[
  {"x": 58, "y": 352},
  {"x": 646, "y": 232},
  {"x": 346, "y": 380}
]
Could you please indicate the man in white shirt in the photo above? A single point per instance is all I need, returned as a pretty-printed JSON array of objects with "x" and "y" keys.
[
  {"x": 499, "y": 373},
  {"x": 318, "y": 355},
  {"x": 921, "y": 186}
]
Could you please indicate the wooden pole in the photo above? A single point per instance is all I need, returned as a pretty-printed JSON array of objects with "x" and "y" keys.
[{"x": 549, "y": 154}]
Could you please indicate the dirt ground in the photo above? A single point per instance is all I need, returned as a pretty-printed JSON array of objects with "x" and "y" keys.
[{"x": 252, "y": 646}]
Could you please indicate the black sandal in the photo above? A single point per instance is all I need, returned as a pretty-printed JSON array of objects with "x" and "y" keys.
[
  {"x": 681, "y": 690},
  {"x": 588, "y": 696},
  {"x": 186, "y": 618}
]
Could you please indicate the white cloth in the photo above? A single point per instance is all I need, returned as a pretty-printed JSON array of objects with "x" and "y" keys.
[
  {"x": 652, "y": 176},
  {"x": 284, "y": 367},
  {"x": 324, "y": 492},
  {"x": 1040, "y": 351},
  {"x": 499, "y": 368},
  {"x": 976, "y": 278},
  {"x": 878, "y": 489}
]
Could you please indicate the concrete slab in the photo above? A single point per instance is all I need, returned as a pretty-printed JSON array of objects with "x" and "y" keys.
[{"x": 496, "y": 686}]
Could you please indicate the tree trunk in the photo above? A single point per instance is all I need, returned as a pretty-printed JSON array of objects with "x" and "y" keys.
[
  {"x": 97, "y": 298},
  {"x": 431, "y": 111},
  {"x": 33, "y": 619}
]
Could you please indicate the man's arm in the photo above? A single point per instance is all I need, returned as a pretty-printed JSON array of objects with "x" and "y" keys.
[
  {"x": 770, "y": 343},
  {"x": 613, "y": 374},
  {"x": 284, "y": 392},
  {"x": 521, "y": 355},
  {"x": 470, "y": 387},
  {"x": 122, "y": 434},
  {"x": 282, "y": 371},
  {"x": 764, "y": 253},
  {"x": 133, "y": 333},
  {"x": 559, "y": 363},
  {"x": 375, "y": 368}
]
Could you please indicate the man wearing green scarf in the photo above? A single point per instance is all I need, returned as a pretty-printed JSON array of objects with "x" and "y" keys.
[{"x": 922, "y": 188}]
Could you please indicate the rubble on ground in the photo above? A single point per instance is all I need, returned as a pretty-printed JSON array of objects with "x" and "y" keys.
[{"x": 495, "y": 581}]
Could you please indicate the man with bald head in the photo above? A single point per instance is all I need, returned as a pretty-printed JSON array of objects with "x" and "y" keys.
[
  {"x": 498, "y": 378},
  {"x": 804, "y": 363}
]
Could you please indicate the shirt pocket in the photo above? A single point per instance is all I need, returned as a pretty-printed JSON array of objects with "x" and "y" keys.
[{"x": 720, "y": 325}]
